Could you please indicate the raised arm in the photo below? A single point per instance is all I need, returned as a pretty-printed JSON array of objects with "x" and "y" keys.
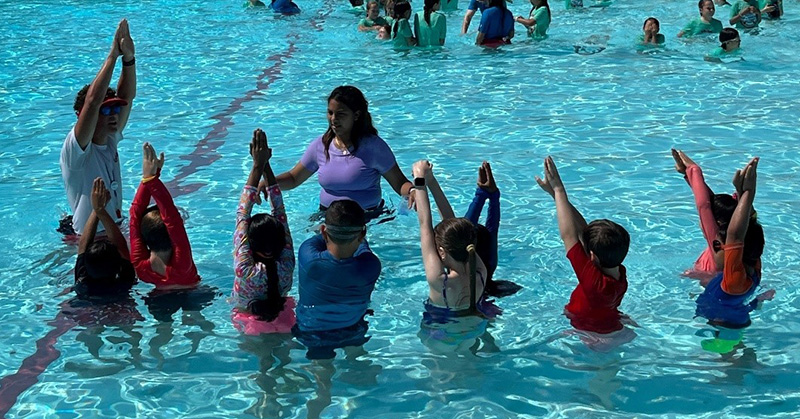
[
  {"x": 702, "y": 194},
  {"x": 87, "y": 118},
  {"x": 570, "y": 222},
  {"x": 126, "y": 88},
  {"x": 445, "y": 210},
  {"x": 737, "y": 229},
  {"x": 430, "y": 255},
  {"x": 100, "y": 198}
]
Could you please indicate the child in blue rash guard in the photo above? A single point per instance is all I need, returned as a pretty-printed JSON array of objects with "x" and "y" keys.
[
  {"x": 337, "y": 274},
  {"x": 725, "y": 300}
]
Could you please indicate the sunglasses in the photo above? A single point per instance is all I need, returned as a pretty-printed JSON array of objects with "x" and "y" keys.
[{"x": 110, "y": 110}]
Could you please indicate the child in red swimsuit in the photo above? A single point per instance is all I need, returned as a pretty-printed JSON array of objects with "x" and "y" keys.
[{"x": 596, "y": 252}]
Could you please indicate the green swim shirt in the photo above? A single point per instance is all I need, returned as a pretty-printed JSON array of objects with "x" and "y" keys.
[
  {"x": 403, "y": 33},
  {"x": 749, "y": 20},
  {"x": 430, "y": 35},
  {"x": 659, "y": 39},
  {"x": 542, "y": 18},
  {"x": 697, "y": 27}
]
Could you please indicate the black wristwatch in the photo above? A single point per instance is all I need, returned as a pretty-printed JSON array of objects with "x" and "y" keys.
[{"x": 419, "y": 182}]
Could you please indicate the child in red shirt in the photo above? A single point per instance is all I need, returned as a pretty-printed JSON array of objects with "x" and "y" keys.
[
  {"x": 160, "y": 250},
  {"x": 596, "y": 252}
]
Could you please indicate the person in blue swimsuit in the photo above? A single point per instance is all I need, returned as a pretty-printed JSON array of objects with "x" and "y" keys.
[
  {"x": 724, "y": 302},
  {"x": 497, "y": 25},
  {"x": 455, "y": 273},
  {"x": 337, "y": 274},
  {"x": 487, "y": 234}
]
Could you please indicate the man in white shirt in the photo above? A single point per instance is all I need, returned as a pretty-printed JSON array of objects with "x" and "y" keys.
[{"x": 90, "y": 149}]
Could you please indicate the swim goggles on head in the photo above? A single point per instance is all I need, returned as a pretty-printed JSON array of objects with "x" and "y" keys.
[{"x": 344, "y": 232}]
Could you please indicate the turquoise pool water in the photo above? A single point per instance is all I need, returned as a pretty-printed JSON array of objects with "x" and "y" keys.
[{"x": 210, "y": 72}]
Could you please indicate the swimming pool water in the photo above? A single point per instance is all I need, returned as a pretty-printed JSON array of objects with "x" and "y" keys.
[{"x": 210, "y": 72}]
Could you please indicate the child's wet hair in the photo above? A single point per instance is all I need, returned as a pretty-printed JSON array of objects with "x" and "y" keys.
[
  {"x": 356, "y": 3},
  {"x": 102, "y": 260},
  {"x": 723, "y": 206},
  {"x": 266, "y": 235},
  {"x": 103, "y": 265},
  {"x": 483, "y": 248},
  {"x": 658, "y": 24},
  {"x": 728, "y": 34},
  {"x": 608, "y": 241},
  {"x": 454, "y": 235},
  {"x": 154, "y": 232}
]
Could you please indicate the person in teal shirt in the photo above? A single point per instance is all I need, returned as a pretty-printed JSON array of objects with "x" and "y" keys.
[
  {"x": 538, "y": 19},
  {"x": 729, "y": 46},
  {"x": 430, "y": 26},
  {"x": 374, "y": 20},
  {"x": 705, "y": 23},
  {"x": 402, "y": 36},
  {"x": 651, "y": 35},
  {"x": 745, "y": 14}
]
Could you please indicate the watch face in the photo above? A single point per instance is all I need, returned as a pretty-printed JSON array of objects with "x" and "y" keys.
[{"x": 419, "y": 181}]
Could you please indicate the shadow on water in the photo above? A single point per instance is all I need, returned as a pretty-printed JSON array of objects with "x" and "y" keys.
[{"x": 164, "y": 304}]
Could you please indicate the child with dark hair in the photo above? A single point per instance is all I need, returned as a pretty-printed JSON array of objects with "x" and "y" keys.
[
  {"x": 729, "y": 48},
  {"x": 723, "y": 301},
  {"x": 373, "y": 20},
  {"x": 337, "y": 274},
  {"x": 703, "y": 24},
  {"x": 651, "y": 27},
  {"x": 402, "y": 35},
  {"x": 430, "y": 26},
  {"x": 160, "y": 249},
  {"x": 715, "y": 211},
  {"x": 596, "y": 252},
  {"x": 263, "y": 257},
  {"x": 103, "y": 268},
  {"x": 497, "y": 25}
]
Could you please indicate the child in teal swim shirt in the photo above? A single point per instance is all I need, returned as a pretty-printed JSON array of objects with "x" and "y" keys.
[
  {"x": 729, "y": 46},
  {"x": 538, "y": 20},
  {"x": 430, "y": 26},
  {"x": 746, "y": 14},
  {"x": 374, "y": 20},
  {"x": 402, "y": 36},
  {"x": 651, "y": 35},
  {"x": 705, "y": 23}
]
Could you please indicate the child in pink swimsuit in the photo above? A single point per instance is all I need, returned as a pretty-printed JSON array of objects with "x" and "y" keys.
[
  {"x": 263, "y": 254},
  {"x": 715, "y": 211}
]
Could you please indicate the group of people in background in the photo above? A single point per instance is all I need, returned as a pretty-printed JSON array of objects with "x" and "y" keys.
[{"x": 337, "y": 271}]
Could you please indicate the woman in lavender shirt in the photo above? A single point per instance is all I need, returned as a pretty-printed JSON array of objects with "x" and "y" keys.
[{"x": 350, "y": 157}]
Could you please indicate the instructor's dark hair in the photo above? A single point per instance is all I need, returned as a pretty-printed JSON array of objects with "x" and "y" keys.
[{"x": 352, "y": 98}]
